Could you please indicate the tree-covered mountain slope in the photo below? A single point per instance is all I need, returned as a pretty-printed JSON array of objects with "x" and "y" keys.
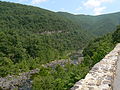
[
  {"x": 99, "y": 47},
  {"x": 29, "y": 19},
  {"x": 17, "y": 16},
  {"x": 31, "y": 36},
  {"x": 98, "y": 25},
  {"x": 93, "y": 53}
]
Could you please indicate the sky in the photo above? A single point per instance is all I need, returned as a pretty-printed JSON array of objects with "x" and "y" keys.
[{"x": 87, "y": 7}]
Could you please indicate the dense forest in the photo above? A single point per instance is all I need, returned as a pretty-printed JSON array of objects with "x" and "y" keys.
[
  {"x": 97, "y": 25},
  {"x": 31, "y": 36},
  {"x": 58, "y": 79}
]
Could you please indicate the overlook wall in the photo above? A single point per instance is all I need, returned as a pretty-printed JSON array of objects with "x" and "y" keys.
[{"x": 101, "y": 76}]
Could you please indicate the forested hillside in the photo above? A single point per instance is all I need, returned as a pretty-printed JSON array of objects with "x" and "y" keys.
[
  {"x": 41, "y": 22},
  {"x": 99, "y": 47},
  {"x": 97, "y": 25},
  {"x": 93, "y": 53},
  {"x": 37, "y": 20},
  {"x": 31, "y": 36}
]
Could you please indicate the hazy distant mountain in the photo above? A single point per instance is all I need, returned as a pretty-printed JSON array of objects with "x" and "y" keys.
[{"x": 99, "y": 25}]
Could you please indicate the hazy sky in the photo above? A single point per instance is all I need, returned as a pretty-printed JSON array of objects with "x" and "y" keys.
[{"x": 91, "y": 7}]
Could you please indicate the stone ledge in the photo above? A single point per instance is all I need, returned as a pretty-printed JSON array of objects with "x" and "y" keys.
[{"x": 101, "y": 76}]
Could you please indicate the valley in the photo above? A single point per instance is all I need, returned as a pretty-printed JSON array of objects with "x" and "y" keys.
[
  {"x": 23, "y": 81},
  {"x": 51, "y": 50}
]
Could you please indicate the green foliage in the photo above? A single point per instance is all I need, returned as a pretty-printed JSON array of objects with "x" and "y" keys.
[
  {"x": 31, "y": 36},
  {"x": 116, "y": 35},
  {"x": 37, "y": 20},
  {"x": 97, "y": 49},
  {"x": 60, "y": 78},
  {"x": 97, "y": 25}
]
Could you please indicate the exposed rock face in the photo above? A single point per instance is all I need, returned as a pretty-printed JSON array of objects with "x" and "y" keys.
[
  {"x": 23, "y": 80},
  {"x": 12, "y": 82},
  {"x": 102, "y": 74},
  {"x": 63, "y": 62}
]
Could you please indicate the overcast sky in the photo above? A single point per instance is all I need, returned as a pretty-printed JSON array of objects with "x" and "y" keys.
[{"x": 89, "y": 7}]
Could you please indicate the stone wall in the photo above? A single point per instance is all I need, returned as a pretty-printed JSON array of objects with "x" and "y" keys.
[{"x": 101, "y": 76}]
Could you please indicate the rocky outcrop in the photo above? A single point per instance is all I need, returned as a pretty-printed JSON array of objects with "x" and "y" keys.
[
  {"x": 12, "y": 82},
  {"x": 102, "y": 75},
  {"x": 63, "y": 62}
]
